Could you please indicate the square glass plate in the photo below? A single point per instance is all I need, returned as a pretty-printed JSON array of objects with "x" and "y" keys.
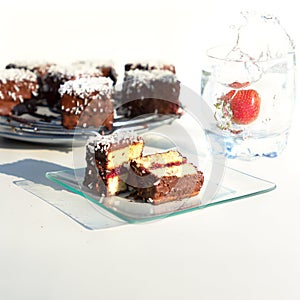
[{"x": 120, "y": 209}]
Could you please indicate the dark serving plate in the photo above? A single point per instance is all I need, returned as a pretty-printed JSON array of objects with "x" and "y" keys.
[{"x": 44, "y": 126}]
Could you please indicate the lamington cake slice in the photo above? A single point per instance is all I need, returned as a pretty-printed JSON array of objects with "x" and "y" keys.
[
  {"x": 59, "y": 74},
  {"x": 37, "y": 67},
  {"x": 17, "y": 86},
  {"x": 106, "y": 67},
  {"x": 147, "y": 66},
  {"x": 165, "y": 177},
  {"x": 150, "y": 91},
  {"x": 40, "y": 68},
  {"x": 87, "y": 102},
  {"x": 106, "y": 157}
]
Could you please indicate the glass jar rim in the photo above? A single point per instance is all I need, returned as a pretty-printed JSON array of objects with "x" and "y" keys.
[{"x": 228, "y": 48}]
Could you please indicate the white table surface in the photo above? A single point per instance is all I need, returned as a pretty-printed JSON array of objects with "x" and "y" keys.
[{"x": 248, "y": 249}]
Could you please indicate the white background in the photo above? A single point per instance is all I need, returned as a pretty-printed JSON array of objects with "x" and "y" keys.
[
  {"x": 246, "y": 250},
  {"x": 175, "y": 31}
]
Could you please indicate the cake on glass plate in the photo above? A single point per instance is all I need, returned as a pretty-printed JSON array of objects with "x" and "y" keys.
[
  {"x": 115, "y": 164},
  {"x": 106, "y": 157},
  {"x": 164, "y": 177}
]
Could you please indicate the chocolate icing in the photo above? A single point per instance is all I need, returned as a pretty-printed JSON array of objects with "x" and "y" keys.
[
  {"x": 39, "y": 68},
  {"x": 148, "y": 91},
  {"x": 28, "y": 107},
  {"x": 87, "y": 102},
  {"x": 149, "y": 66},
  {"x": 172, "y": 188},
  {"x": 16, "y": 87},
  {"x": 162, "y": 182}
]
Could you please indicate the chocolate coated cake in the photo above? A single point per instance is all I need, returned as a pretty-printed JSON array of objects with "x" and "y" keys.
[
  {"x": 87, "y": 102},
  {"x": 106, "y": 157},
  {"x": 107, "y": 68},
  {"x": 165, "y": 177},
  {"x": 17, "y": 86},
  {"x": 58, "y": 75},
  {"x": 147, "y": 66},
  {"x": 37, "y": 67},
  {"x": 150, "y": 91}
]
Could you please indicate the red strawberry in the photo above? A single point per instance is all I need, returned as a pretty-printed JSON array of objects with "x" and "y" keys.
[
  {"x": 245, "y": 106},
  {"x": 227, "y": 97},
  {"x": 238, "y": 85}
]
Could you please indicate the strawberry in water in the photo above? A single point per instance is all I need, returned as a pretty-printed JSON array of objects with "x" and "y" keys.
[
  {"x": 245, "y": 106},
  {"x": 238, "y": 106},
  {"x": 227, "y": 97}
]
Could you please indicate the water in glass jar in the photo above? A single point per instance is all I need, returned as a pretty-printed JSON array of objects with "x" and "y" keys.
[{"x": 251, "y": 89}]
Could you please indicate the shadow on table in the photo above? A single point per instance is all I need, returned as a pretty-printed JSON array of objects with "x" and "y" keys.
[
  {"x": 14, "y": 144},
  {"x": 71, "y": 204},
  {"x": 33, "y": 170}
]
